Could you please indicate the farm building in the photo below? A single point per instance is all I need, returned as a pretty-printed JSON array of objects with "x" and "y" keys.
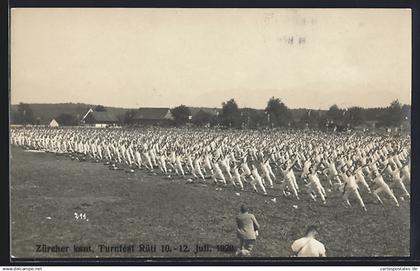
[
  {"x": 53, "y": 123},
  {"x": 100, "y": 119},
  {"x": 153, "y": 116}
]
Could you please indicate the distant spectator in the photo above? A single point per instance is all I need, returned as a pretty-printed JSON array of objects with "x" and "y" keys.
[
  {"x": 247, "y": 231},
  {"x": 308, "y": 246}
]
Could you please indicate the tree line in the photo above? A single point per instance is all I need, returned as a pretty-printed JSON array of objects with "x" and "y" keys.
[{"x": 275, "y": 115}]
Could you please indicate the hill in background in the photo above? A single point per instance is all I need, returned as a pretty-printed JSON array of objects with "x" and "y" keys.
[{"x": 47, "y": 112}]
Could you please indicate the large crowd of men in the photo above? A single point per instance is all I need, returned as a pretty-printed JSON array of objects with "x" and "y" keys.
[{"x": 310, "y": 164}]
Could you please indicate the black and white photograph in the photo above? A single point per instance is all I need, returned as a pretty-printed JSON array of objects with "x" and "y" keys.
[{"x": 210, "y": 133}]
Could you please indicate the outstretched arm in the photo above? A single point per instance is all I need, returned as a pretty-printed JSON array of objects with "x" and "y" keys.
[
  {"x": 358, "y": 169},
  {"x": 387, "y": 165},
  {"x": 291, "y": 166}
]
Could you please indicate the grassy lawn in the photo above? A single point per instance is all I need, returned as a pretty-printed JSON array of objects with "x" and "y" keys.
[{"x": 142, "y": 208}]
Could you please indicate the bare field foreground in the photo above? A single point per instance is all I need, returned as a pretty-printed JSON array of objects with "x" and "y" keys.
[{"x": 56, "y": 201}]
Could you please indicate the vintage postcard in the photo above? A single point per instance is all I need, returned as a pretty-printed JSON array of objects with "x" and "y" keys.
[{"x": 202, "y": 133}]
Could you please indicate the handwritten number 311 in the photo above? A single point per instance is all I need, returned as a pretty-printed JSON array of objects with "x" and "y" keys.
[{"x": 80, "y": 216}]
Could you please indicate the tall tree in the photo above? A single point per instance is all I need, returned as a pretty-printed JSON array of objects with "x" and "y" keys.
[
  {"x": 230, "y": 116},
  {"x": 355, "y": 116},
  {"x": 394, "y": 115},
  {"x": 277, "y": 113},
  {"x": 335, "y": 114},
  {"x": 181, "y": 114}
]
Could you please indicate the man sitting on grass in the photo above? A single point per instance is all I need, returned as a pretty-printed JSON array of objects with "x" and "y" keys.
[{"x": 308, "y": 246}]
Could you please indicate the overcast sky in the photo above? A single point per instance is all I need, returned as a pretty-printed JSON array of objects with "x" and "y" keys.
[{"x": 202, "y": 57}]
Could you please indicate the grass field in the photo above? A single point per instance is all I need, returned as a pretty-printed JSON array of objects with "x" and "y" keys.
[{"x": 141, "y": 208}]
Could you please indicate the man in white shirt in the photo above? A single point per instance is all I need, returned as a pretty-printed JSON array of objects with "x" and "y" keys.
[
  {"x": 308, "y": 246},
  {"x": 256, "y": 179}
]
